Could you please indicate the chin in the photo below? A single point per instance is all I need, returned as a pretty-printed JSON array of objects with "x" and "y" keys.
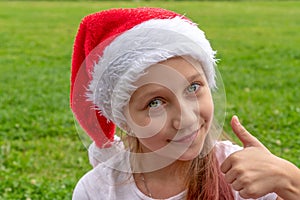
[{"x": 191, "y": 153}]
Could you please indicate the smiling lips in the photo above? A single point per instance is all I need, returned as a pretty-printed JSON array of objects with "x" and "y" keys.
[{"x": 186, "y": 139}]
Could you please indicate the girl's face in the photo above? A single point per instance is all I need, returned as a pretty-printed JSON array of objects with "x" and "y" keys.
[{"x": 172, "y": 109}]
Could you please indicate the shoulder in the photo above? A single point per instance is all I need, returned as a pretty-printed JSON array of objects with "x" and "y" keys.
[
  {"x": 100, "y": 183},
  {"x": 99, "y": 155},
  {"x": 103, "y": 180},
  {"x": 91, "y": 183}
]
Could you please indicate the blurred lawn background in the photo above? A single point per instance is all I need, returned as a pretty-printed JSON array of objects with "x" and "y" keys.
[{"x": 41, "y": 156}]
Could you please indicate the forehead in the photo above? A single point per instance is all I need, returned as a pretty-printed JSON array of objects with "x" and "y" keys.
[
  {"x": 172, "y": 75},
  {"x": 174, "y": 70}
]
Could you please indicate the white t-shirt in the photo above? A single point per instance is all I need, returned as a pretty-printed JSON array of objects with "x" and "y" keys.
[{"x": 105, "y": 183}]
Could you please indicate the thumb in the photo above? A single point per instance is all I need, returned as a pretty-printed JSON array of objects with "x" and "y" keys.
[{"x": 244, "y": 136}]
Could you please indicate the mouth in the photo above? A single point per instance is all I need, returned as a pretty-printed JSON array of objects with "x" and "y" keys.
[{"x": 186, "y": 139}]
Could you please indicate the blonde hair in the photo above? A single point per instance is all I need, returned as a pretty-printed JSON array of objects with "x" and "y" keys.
[{"x": 204, "y": 179}]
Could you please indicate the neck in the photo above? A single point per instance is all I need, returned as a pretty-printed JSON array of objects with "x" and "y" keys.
[
  {"x": 177, "y": 169},
  {"x": 171, "y": 178}
]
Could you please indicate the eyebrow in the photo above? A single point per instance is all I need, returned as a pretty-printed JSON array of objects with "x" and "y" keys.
[
  {"x": 160, "y": 89},
  {"x": 196, "y": 76},
  {"x": 153, "y": 93}
]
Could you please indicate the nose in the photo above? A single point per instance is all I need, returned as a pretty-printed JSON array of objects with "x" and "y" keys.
[{"x": 185, "y": 115}]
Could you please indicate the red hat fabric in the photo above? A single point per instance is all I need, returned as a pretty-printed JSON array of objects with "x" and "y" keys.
[{"x": 93, "y": 30}]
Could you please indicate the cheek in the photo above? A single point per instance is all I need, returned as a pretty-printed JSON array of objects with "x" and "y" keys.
[
  {"x": 154, "y": 143},
  {"x": 210, "y": 110},
  {"x": 150, "y": 132},
  {"x": 140, "y": 119},
  {"x": 144, "y": 124}
]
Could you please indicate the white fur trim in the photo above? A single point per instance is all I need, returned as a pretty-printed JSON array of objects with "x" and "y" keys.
[{"x": 125, "y": 59}]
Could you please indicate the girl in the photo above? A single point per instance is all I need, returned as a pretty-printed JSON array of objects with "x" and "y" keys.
[{"x": 151, "y": 73}]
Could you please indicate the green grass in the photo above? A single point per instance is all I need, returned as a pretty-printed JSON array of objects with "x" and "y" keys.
[{"x": 41, "y": 156}]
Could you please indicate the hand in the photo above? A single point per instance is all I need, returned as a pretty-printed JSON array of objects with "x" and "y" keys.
[{"x": 253, "y": 171}]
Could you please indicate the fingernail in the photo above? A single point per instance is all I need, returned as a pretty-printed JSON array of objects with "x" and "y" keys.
[{"x": 237, "y": 121}]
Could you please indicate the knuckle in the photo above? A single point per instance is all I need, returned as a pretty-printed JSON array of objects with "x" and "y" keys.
[
  {"x": 249, "y": 192},
  {"x": 235, "y": 157},
  {"x": 245, "y": 181},
  {"x": 229, "y": 178},
  {"x": 239, "y": 170}
]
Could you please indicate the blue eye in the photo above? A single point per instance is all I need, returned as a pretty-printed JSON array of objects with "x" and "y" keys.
[
  {"x": 194, "y": 87},
  {"x": 155, "y": 103}
]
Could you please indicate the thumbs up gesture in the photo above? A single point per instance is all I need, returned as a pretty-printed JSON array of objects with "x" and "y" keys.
[
  {"x": 244, "y": 136},
  {"x": 255, "y": 171}
]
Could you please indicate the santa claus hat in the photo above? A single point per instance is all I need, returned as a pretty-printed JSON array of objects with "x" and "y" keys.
[{"x": 113, "y": 48}]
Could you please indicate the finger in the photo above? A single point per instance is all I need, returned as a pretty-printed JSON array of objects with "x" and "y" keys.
[
  {"x": 226, "y": 166},
  {"x": 248, "y": 193},
  {"x": 236, "y": 185},
  {"x": 231, "y": 176},
  {"x": 244, "y": 136}
]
